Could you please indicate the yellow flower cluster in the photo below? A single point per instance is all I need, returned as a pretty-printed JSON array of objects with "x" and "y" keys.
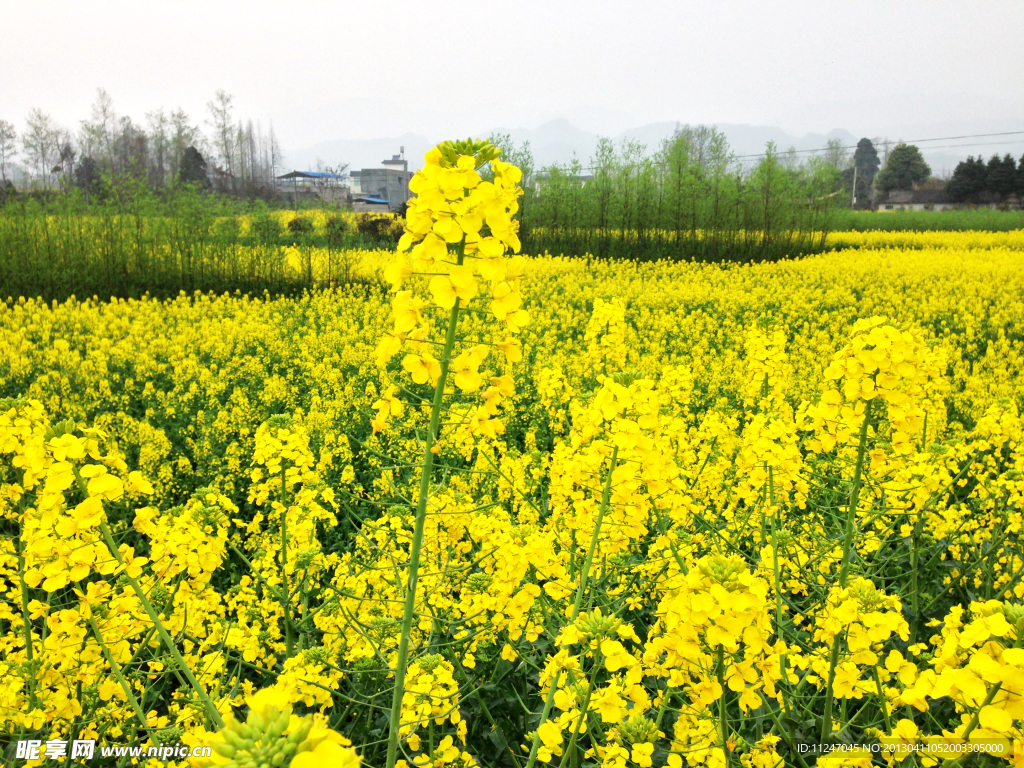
[
  {"x": 63, "y": 544},
  {"x": 457, "y": 227},
  {"x": 606, "y": 336},
  {"x": 860, "y": 619},
  {"x": 980, "y": 666},
  {"x": 431, "y": 693},
  {"x": 881, "y": 363}
]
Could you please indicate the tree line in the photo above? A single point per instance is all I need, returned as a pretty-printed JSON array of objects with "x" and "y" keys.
[
  {"x": 234, "y": 155},
  {"x": 689, "y": 199},
  {"x": 998, "y": 180}
]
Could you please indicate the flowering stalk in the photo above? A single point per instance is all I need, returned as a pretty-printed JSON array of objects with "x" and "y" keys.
[
  {"x": 26, "y": 619},
  {"x": 455, "y": 213},
  {"x": 584, "y": 707},
  {"x": 116, "y": 669},
  {"x": 915, "y": 599},
  {"x": 285, "y": 597},
  {"x": 723, "y": 722},
  {"x": 844, "y": 569},
  {"x": 154, "y": 616},
  {"x": 578, "y": 602},
  {"x": 417, "y": 537}
]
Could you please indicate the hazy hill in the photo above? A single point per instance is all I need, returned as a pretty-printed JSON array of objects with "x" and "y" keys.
[{"x": 559, "y": 140}]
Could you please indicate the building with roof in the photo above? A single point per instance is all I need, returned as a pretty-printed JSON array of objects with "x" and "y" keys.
[
  {"x": 389, "y": 183},
  {"x": 916, "y": 200},
  {"x": 327, "y": 186}
]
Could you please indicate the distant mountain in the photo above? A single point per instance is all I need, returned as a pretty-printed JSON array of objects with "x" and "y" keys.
[
  {"x": 912, "y": 115},
  {"x": 558, "y": 140},
  {"x": 604, "y": 122}
]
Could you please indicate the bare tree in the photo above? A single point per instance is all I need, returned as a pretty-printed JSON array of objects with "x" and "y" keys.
[
  {"x": 8, "y": 147},
  {"x": 224, "y": 131},
  {"x": 276, "y": 157},
  {"x": 160, "y": 144},
  {"x": 243, "y": 162},
  {"x": 789, "y": 159},
  {"x": 101, "y": 130},
  {"x": 183, "y": 136},
  {"x": 40, "y": 144},
  {"x": 66, "y": 154},
  {"x": 90, "y": 140},
  {"x": 130, "y": 148},
  {"x": 836, "y": 155},
  {"x": 246, "y": 159},
  {"x": 329, "y": 187}
]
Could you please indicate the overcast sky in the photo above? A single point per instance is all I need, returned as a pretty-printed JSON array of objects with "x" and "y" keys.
[{"x": 343, "y": 70}]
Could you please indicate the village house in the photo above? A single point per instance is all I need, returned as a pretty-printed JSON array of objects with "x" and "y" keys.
[
  {"x": 916, "y": 200},
  {"x": 325, "y": 186},
  {"x": 382, "y": 186}
]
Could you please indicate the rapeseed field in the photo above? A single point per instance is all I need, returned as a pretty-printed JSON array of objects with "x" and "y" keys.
[{"x": 492, "y": 509}]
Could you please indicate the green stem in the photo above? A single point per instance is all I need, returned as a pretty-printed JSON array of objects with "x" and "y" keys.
[
  {"x": 765, "y": 503},
  {"x": 881, "y": 698},
  {"x": 168, "y": 641},
  {"x": 401, "y": 663},
  {"x": 991, "y": 693},
  {"x": 974, "y": 720},
  {"x": 591, "y": 684},
  {"x": 289, "y": 642},
  {"x": 723, "y": 723},
  {"x": 851, "y": 513},
  {"x": 664, "y": 706},
  {"x": 483, "y": 708},
  {"x": 27, "y": 625},
  {"x": 606, "y": 496},
  {"x": 915, "y": 597},
  {"x": 844, "y": 569},
  {"x": 778, "y": 590},
  {"x": 116, "y": 669}
]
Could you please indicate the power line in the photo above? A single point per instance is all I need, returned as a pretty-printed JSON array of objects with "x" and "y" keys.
[
  {"x": 915, "y": 141},
  {"x": 887, "y": 142},
  {"x": 979, "y": 144}
]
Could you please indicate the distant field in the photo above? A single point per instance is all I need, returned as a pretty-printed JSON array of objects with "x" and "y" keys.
[{"x": 977, "y": 219}]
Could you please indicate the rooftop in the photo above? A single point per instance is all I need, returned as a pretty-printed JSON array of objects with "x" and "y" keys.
[
  {"x": 924, "y": 196},
  {"x": 311, "y": 175}
]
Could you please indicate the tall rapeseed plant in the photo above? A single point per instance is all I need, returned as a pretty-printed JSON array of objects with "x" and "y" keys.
[{"x": 458, "y": 227}]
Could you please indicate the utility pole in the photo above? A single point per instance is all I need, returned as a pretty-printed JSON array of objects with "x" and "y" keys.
[{"x": 853, "y": 201}]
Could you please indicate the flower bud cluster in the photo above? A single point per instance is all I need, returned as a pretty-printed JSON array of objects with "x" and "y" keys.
[{"x": 272, "y": 737}]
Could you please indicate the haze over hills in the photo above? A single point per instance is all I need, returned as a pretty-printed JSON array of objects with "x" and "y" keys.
[
  {"x": 556, "y": 141},
  {"x": 559, "y": 140}
]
